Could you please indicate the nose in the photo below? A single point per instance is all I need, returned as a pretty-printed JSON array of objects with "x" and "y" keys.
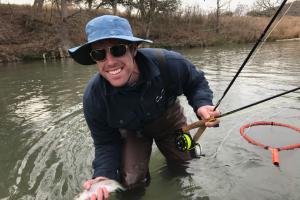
[{"x": 109, "y": 58}]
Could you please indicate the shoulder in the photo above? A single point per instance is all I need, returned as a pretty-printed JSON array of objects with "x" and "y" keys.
[
  {"x": 153, "y": 53},
  {"x": 93, "y": 91},
  {"x": 171, "y": 59},
  {"x": 92, "y": 84}
]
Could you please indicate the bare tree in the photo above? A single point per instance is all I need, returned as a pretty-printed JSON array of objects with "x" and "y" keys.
[
  {"x": 240, "y": 9},
  {"x": 147, "y": 9},
  {"x": 265, "y": 7},
  {"x": 89, "y": 3},
  {"x": 129, "y": 5},
  {"x": 110, "y": 3},
  {"x": 63, "y": 9},
  {"x": 38, "y": 4},
  {"x": 266, "y": 4},
  {"x": 221, "y": 4},
  {"x": 37, "y": 7},
  {"x": 61, "y": 25}
]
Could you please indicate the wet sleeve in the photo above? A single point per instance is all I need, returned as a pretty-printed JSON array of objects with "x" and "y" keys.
[{"x": 106, "y": 139}]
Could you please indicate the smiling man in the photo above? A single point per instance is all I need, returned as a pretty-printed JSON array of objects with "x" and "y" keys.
[{"x": 132, "y": 101}]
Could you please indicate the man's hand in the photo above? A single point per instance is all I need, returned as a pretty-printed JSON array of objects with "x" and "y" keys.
[
  {"x": 102, "y": 193},
  {"x": 208, "y": 114}
]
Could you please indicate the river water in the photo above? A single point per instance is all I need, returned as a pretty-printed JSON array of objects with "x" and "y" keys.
[{"x": 46, "y": 151}]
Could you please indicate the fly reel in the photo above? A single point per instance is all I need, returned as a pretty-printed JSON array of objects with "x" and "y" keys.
[{"x": 184, "y": 142}]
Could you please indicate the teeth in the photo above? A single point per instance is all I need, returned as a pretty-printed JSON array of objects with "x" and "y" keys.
[{"x": 113, "y": 72}]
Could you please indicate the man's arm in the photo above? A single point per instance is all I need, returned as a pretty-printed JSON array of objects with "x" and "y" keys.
[
  {"x": 195, "y": 87},
  {"x": 106, "y": 139}
]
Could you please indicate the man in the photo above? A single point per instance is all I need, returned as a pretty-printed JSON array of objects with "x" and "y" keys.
[{"x": 133, "y": 101}]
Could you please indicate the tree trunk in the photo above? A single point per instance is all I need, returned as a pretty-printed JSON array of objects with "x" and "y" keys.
[
  {"x": 90, "y": 3},
  {"x": 114, "y": 7},
  {"x": 38, "y": 5},
  {"x": 64, "y": 10},
  {"x": 37, "y": 8},
  {"x": 62, "y": 30},
  {"x": 64, "y": 39},
  {"x": 218, "y": 16}
]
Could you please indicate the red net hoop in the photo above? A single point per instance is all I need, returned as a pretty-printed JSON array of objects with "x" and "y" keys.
[{"x": 274, "y": 150}]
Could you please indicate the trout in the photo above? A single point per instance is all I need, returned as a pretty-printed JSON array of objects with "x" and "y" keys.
[{"x": 109, "y": 184}]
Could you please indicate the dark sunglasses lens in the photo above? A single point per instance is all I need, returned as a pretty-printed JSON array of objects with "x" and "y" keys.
[
  {"x": 98, "y": 54},
  {"x": 118, "y": 50}
]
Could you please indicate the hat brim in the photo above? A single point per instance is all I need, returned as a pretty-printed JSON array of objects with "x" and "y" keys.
[{"x": 81, "y": 54}]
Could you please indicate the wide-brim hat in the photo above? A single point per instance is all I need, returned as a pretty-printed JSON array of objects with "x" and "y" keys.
[{"x": 103, "y": 28}]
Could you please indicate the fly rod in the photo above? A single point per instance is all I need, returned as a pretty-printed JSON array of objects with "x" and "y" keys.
[
  {"x": 251, "y": 52},
  {"x": 201, "y": 123}
]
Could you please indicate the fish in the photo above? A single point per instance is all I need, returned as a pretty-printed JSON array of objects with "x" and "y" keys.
[{"x": 109, "y": 184}]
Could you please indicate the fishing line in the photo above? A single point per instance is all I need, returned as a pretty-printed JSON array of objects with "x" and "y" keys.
[
  {"x": 258, "y": 102},
  {"x": 278, "y": 102},
  {"x": 184, "y": 141},
  {"x": 239, "y": 109},
  {"x": 265, "y": 38},
  {"x": 230, "y": 131},
  {"x": 243, "y": 113},
  {"x": 257, "y": 50},
  {"x": 201, "y": 123},
  {"x": 251, "y": 52}
]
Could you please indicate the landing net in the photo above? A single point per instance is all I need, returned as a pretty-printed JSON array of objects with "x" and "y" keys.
[{"x": 274, "y": 150}]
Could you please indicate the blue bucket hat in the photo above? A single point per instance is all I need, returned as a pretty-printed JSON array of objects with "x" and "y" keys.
[{"x": 102, "y": 28}]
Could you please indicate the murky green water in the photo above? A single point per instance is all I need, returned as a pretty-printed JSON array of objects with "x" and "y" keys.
[{"x": 46, "y": 151}]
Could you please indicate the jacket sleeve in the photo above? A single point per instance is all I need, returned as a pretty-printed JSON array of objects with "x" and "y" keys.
[
  {"x": 191, "y": 81},
  {"x": 106, "y": 139}
]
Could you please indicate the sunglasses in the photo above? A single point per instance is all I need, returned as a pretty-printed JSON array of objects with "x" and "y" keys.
[{"x": 116, "y": 51}]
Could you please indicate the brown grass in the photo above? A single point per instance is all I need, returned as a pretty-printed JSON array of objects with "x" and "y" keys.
[
  {"x": 23, "y": 35},
  {"x": 288, "y": 28}
]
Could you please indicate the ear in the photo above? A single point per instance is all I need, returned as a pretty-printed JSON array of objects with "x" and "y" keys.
[
  {"x": 135, "y": 52},
  {"x": 133, "y": 49}
]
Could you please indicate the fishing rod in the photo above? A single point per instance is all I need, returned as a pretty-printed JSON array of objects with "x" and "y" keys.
[
  {"x": 251, "y": 52},
  {"x": 184, "y": 142},
  {"x": 202, "y": 122}
]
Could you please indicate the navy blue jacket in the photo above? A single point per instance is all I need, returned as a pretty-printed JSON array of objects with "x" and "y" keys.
[{"x": 107, "y": 108}]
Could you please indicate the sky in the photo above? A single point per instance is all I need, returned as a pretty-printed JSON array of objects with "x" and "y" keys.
[
  {"x": 211, "y": 4},
  {"x": 203, "y": 4}
]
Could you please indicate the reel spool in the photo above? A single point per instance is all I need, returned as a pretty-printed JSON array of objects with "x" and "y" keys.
[{"x": 184, "y": 142}]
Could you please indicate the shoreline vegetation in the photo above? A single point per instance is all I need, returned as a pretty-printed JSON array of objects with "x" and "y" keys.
[{"x": 26, "y": 35}]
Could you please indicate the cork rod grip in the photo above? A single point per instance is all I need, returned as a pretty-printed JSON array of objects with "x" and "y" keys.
[{"x": 193, "y": 125}]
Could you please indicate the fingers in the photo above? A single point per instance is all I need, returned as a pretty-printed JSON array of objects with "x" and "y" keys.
[
  {"x": 105, "y": 193},
  {"x": 208, "y": 114},
  {"x": 102, "y": 194},
  {"x": 214, "y": 123},
  {"x": 93, "y": 197},
  {"x": 87, "y": 185},
  {"x": 204, "y": 112}
]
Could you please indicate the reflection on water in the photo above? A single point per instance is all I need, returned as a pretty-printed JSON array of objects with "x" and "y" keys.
[{"x": 46, "y": 150}]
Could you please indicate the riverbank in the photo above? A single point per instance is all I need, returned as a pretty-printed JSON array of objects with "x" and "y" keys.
[{"x": 24, "y": 36}]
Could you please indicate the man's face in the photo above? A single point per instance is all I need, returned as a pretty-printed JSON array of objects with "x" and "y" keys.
[{"x": 116, "y": 70}]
